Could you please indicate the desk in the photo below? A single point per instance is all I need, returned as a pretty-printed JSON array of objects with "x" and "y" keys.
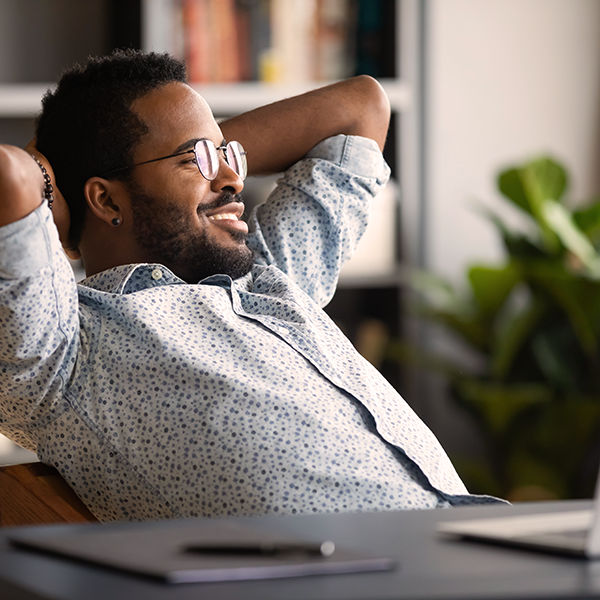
[{"x": 429, "y": 569}]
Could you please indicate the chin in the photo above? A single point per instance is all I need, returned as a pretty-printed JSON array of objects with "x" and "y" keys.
[{"x": 235, "y": 262}]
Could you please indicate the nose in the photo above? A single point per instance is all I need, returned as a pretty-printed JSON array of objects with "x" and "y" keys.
[{"x": 227, "y": 179}]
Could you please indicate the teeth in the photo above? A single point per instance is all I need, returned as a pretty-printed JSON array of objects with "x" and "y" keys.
[{"x": 220, "y": 217}]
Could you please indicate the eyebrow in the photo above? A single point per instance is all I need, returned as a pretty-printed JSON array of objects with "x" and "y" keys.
[{"x": 189, "y": 145}]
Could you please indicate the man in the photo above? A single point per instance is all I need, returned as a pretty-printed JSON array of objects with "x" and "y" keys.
[{"x": 193, "y": 372}]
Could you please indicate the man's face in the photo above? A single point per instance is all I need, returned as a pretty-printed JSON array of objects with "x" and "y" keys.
[{"x": 178, "y": 218}]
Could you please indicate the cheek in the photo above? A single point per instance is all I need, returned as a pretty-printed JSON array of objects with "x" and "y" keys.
[
  {"x": 185, "y": 200},
  {"x": 192, "y": 194},
  {"x": 179, "y": 184}
]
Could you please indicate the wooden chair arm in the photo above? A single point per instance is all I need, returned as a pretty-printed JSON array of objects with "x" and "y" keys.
[{"x": 34, "y": 493}]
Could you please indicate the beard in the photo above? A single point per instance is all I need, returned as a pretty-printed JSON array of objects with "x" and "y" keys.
[{"x": 175, "y": 243}]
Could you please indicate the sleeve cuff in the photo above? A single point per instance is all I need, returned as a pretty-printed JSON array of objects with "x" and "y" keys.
[
  {"x": 359, "y": 155},
  {"x": 26, "y": 245}
]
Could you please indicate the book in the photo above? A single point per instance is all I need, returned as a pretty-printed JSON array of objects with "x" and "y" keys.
[{"x": 281, "y": 41}]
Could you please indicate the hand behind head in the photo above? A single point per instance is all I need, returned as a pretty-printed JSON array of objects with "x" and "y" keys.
[{"x": 60, "y": 209}]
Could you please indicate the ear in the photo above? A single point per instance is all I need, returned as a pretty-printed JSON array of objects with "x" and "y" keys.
[{"x": 102, "y": 197}]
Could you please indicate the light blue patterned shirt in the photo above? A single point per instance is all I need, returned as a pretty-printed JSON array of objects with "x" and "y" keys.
[{"x": 155, "y": 398}]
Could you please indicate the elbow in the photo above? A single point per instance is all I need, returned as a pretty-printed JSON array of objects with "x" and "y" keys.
[{"x": 374, "y": 115}]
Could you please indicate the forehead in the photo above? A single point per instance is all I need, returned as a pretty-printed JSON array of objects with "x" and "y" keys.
[{"x": 174, "y": 113}]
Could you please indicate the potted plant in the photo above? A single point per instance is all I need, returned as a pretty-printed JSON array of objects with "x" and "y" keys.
[{"x": 535, "y": 322}]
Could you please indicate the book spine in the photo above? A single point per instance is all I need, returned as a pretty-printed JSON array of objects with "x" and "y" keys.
[
  {"x": 223, "y": 41},
  {"x": 281, "y": 41},
  {"x": 196, "y": 40}
]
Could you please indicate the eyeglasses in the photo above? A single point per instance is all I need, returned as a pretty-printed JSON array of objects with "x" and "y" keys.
[{"x": 207, "y": 159}]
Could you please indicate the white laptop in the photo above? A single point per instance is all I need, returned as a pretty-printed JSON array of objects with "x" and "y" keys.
[{"x": 575, "y": 533}]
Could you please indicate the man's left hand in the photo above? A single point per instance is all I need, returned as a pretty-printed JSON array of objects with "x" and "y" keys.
[{"x": 60, "y": 208}]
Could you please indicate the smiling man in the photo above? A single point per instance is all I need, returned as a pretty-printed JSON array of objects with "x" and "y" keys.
[
  {"x": 194, "y": 372},
  {"x": 202, "y": 233}
]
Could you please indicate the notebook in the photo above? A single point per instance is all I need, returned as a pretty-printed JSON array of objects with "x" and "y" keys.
[
  {"x": 197, "y": 550},
  {"x": 573, "y": 533}
]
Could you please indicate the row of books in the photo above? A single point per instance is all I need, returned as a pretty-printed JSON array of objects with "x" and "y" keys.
[{"x": 273, "y": 40}]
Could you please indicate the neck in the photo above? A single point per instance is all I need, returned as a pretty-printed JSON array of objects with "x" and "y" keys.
[{"x": 104, "y": 246}]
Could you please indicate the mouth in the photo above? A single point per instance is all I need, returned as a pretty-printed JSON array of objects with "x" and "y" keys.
[
  {"x": 232, "y": 211},
  {"x": 223, "y": 216},
  {"x": 229, "y": 214}
]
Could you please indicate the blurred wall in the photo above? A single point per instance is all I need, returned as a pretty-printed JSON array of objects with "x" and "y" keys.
[
  {"x": 506, "y": 80},
  {"x": 38, "y": 38}
]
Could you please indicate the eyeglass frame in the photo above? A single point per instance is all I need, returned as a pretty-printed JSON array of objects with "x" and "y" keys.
[{"x": 192, "y": 150}]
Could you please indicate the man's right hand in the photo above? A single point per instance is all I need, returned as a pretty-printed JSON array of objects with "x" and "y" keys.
[{"x": 21, "y": 184}]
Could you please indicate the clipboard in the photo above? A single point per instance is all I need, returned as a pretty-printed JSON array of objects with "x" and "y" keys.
[{"x": 163, "y": 552}]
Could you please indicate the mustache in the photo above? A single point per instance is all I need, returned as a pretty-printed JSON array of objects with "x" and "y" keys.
[{"x": 224, "y": 199}]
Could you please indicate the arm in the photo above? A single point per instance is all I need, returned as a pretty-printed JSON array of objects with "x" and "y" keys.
[
  {"x": 279, "y": 134},
  {"x": 314, "y": 218},
  {"x": 22, "y": 187},
  {"x": 21, "y": 184},
  {"x": 60, "y": 208},
  {"x": 38, "y": 302}
]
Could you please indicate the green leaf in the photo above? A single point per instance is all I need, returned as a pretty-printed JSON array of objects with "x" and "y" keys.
[
  {"x": 561, "y": 221},
  {"x": 538, "y": 180},
  {"x": 550, "y": 178},
  {"x": 511, "y": 185},
  {"x": 530, "y": 186},
  {"x": 588, "y": 220},
  {"x": 497, "y": 405},
  {"x": 557, "y": 359},
  {"x": 517, "y": 244},
  {"x": 571, "y": 293},
  {"x": 492, "y": 286},
  {"x": 515, "y": 331},
  {"x": 521, "y": 248},
  {"x": 444, "y": 306},
  {"x": 536, "y": 322}
]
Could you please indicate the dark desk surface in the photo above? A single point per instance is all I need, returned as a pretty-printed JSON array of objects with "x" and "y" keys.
[{"x": 429, "y": 568}]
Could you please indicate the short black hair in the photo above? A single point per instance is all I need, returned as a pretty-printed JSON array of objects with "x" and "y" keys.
[{"x": 87, "y": 128}]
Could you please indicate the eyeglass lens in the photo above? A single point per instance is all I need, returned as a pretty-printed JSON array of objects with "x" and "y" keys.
[{"x": 207, "y": 157}]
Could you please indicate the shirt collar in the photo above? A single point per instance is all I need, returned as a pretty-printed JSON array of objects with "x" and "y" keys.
[{"x": 126, "y": 279}]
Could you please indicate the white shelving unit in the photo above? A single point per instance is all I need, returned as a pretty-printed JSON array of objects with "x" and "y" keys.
[{"x": 23, "y": 101}]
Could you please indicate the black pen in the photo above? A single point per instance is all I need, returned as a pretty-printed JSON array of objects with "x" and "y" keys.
[{"x": 325, "y": 548}]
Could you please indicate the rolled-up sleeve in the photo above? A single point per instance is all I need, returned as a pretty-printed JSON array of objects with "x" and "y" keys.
[
  {"x": 310, "y": 225},
  {"x": 38, "y": 324}
]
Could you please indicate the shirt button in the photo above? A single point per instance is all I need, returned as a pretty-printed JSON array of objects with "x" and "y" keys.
[{"x": 157, "y": 274}]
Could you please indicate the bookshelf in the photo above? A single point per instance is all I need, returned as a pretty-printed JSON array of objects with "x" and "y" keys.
[
  {"x": 365, "y": 296},
  {"x": 23, "y": 100}
]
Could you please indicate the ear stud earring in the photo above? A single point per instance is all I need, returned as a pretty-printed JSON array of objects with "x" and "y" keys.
[{"x": 116, "y": 222}]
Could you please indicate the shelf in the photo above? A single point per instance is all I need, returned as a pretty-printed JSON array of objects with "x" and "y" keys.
[
  {"x": 239, "y": 97},
  {"x": 24, "y": 100},
  {"x": 398, "y": 277}
]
